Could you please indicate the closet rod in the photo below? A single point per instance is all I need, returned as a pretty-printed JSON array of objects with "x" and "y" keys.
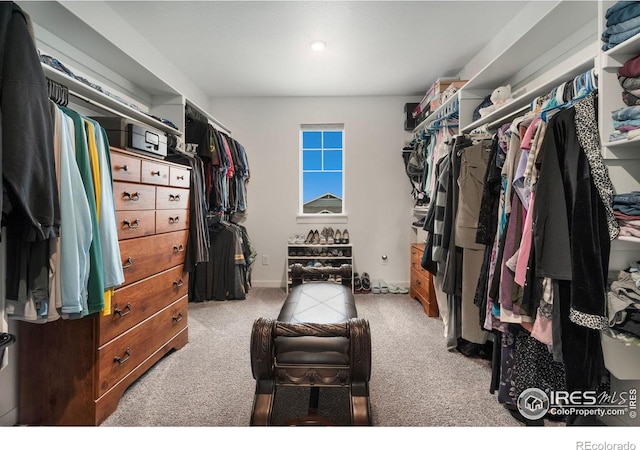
[
  {"x": 212, "y": 120},
  {"x": 111, "y": 110},
  {"x": 503, "y": 119}
]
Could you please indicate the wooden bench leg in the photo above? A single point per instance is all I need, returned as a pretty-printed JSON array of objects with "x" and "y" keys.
[
  {"x": 263, "y": 403},
  {"x": 360, "y": 406}
]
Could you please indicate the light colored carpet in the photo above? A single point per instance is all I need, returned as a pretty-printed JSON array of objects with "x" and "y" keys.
[{"x": 415, "y": 381}]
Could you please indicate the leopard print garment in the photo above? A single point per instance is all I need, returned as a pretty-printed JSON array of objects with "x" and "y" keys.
[
  {"x": 588, "y": 320},
  {"x": 589, "y": 139}
]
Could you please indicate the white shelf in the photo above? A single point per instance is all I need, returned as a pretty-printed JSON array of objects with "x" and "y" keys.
[
  {"x": 557, "y": 26},
  {"x": 622, "y": 149},
  {"x": 420, "y": 212},
  {"x": 629, "y": 239},
  {"x": 540, "y": 86},
  {"x": 103, "y": 101},
  {"x": 630, "y": 47}
]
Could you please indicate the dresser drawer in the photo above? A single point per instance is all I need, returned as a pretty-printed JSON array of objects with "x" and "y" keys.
[
  {"x": 179, "y": 177},
  {"x": 168, "y": 220},
  {"x": 121, "y": 355},
  {"x": 154, "y": 173},
  {"x": 419, "y": 283},
  {"x": 137, "y": 301},
  {"x": 132, "y": 224},
  {"x": 131, "y": 196},
  {"x": 172, "y": 198},
  {"x": 144, "y": 256},
  {"x": 416, "y": 258},
  {"x": 125, "y": 168}
]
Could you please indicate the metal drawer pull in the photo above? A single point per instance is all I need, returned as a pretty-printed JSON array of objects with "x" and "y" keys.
[
  {"x": 180, "y": 177},
  {"x": 120, "y": 313},
  {"x": 177, "y": 318},
  {"x": 157, "y": 172},
  {"x": 174, "y": 198},
  {"x": 178, "y": 283},
  {"x": 129, "y": 263},
  {"x": 125, "y": 168},
  {"x": 175, "y": 219},
  {"x": 134, "y": 224},
  {"x": 135, "y": 196},
  {"x": 178, "y": 248},
  {"x": 119, "y": 360}
]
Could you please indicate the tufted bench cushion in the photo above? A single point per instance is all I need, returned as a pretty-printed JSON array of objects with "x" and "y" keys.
[{"x": 316, "y": 303}]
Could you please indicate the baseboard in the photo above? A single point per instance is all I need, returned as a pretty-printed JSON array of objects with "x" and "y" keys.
[
  {"x": 267, "y": 284},
  {"x": 9, "y": 419}
]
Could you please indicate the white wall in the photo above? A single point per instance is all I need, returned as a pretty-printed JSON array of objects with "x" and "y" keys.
[{"x": 377, "y": 191}]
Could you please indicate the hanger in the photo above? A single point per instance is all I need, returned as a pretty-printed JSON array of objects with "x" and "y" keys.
[
  {"x": 581, "y": 86},
  {"x": 58, "y": 93}
]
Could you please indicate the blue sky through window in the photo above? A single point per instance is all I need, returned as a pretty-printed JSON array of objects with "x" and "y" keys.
[{"x": 322, "y": 155}]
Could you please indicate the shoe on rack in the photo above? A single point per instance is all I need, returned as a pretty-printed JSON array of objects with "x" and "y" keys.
[
  {"x": 384, "y": 287},
  {"x": 330, "y": 239},
  {"x": 366, "y": 283},
  {"x": 420, "y": 223},
  {"x": 316, "y": 238},
  {"x": 375, "y": 286},
  {"x": 309, "y": 237},
  {"x": 345, "y": 236},
  {"x": 338, "y": 237},
  {"x": 357, "y": 283}
]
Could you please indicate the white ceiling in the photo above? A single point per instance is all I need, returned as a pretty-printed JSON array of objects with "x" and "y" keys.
[{"x": 261, "y": 48}]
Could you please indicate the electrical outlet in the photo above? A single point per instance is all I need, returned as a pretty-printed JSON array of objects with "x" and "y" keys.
[{"x": 265, "y": 260}]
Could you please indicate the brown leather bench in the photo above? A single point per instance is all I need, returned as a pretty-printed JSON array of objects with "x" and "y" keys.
[{"x": 317, "y": 341}]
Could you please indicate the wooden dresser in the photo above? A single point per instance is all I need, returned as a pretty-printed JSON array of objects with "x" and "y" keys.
[
  {"x": 74, "y": 372},
  {"x": 422, "y": 283}
]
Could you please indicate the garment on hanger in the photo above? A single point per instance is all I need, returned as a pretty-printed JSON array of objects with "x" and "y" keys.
[
  {"x": 224, "y": 277},
  {"x": 218, "y": 251}
]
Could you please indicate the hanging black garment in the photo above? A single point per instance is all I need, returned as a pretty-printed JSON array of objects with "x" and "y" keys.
[
  {"x": 222, "y": 278},
  {"x": 30, "y": 204},
  {"x": 572, "y": 245}
]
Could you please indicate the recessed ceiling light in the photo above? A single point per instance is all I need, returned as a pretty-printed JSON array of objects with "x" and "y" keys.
[{"x": 318, "y": 46}]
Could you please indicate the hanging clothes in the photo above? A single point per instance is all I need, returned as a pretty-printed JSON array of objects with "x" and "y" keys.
[
  {"x": 30, "y": 204},
  {"x": 474, "y": 158},
  {"x": 30, "y": 207},
  {"x": 224, "y": 276},
  {"x": 218, "y": 252},
  {"x": 577, "y": 223}
]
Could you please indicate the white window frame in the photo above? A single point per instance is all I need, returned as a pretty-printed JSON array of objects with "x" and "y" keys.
[{"x": 315, "y": 217}]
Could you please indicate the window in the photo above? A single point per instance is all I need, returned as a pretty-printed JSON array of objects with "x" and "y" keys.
[{"x": 322, "y": 169}]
